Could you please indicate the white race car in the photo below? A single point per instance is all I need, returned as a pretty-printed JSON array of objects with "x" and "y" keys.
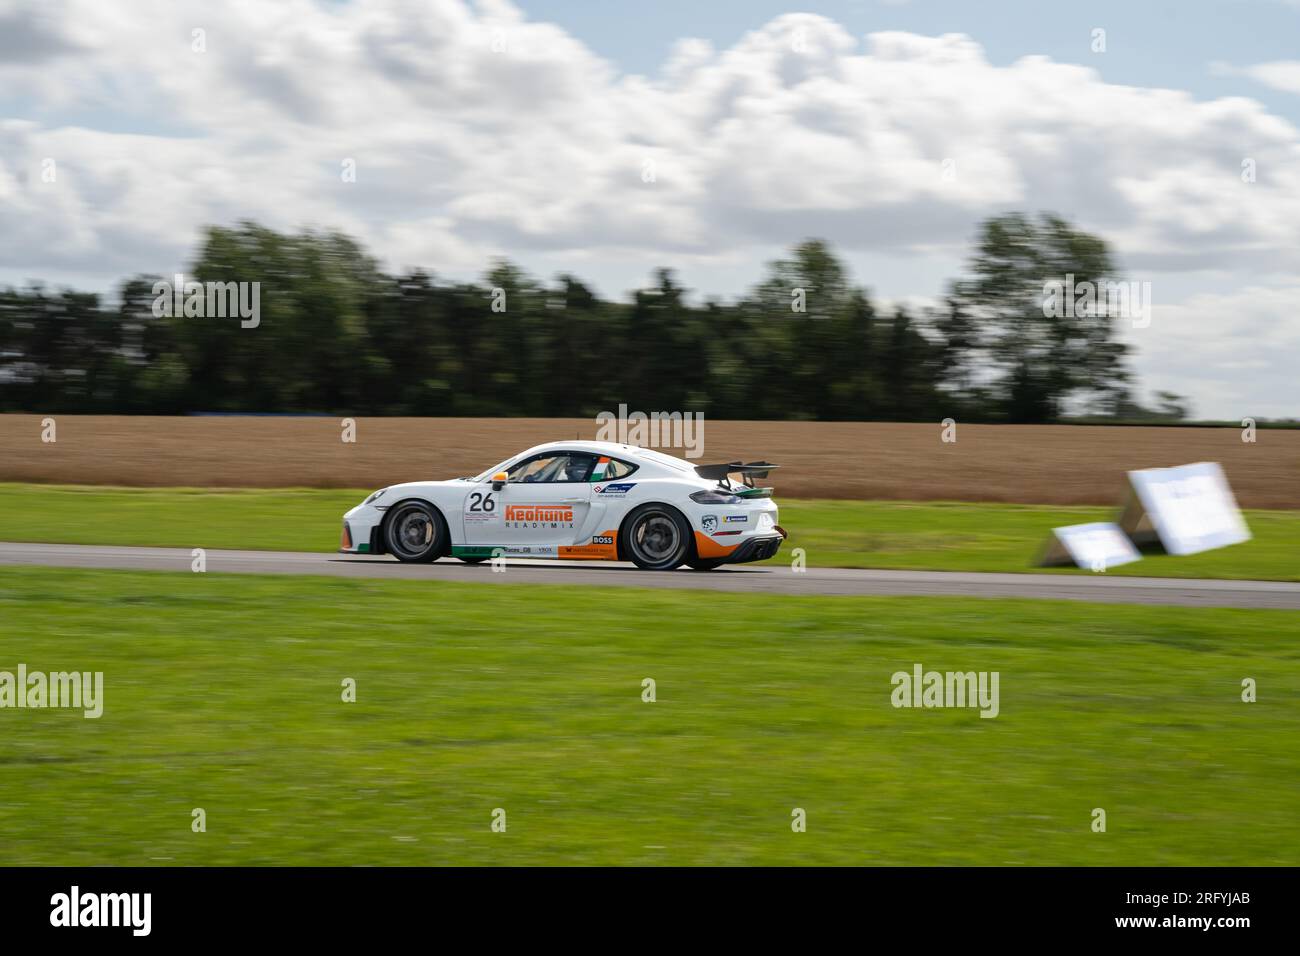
[{"x": 578, "y": 499}]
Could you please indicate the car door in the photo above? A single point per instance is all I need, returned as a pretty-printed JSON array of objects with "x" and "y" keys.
[{"x": 541, "y": 508}]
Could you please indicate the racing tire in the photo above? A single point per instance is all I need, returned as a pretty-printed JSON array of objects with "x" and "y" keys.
[
  {"x": 657, "y": 538},
  {"x": 415, "y": 532}
]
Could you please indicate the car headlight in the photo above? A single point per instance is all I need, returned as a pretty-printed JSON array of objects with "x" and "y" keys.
[
  {"x": 375, "y": 497},
  {"x": 712, "y": 497}
]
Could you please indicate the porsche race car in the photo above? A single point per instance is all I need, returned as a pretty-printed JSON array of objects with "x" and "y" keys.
[{"x": 578, "y": 500}]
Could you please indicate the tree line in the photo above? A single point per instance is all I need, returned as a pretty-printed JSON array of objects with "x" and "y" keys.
[{"x": 337, "y": 335}]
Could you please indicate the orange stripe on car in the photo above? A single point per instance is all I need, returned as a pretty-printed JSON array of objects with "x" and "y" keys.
[
  {"x": 706, "y": 547},
  {"x": 604, "y": 550}
]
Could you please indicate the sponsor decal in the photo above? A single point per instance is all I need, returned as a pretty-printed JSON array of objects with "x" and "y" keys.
[
  {"x": 709, "y": 523},
  {"x": 615, "y": 489},
  {"x": 601, "y": 548},
  {"x": 539, "y": 516},
  {"x": 734, "y": 519},
  {"x": 526, "y": 551},
  {"x": 493, "y": 550},
  {"x": 481, "y": 506}
]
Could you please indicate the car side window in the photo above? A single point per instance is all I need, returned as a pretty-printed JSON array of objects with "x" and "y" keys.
[
  {"x": 612, "y": 468},
  {"x": 548, "y": 468}
]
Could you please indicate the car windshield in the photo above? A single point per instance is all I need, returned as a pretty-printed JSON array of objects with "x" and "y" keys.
[
  {"x": 561, "y": 466},
  {"x": 484, "y": 476}
]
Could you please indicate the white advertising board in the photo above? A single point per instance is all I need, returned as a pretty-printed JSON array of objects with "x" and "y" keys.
[
  {"x": 1190, "y": 508},
  {"x": 1095, "y": 546}
]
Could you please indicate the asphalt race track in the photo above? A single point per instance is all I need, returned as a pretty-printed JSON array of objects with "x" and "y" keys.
[{"x": 766, "y": 578}]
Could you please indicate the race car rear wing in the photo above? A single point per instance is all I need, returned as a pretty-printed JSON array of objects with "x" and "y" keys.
[{"x": 748, "y": 472}]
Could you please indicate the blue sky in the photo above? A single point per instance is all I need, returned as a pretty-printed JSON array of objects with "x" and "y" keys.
[{"x": 1149, "y": 42}]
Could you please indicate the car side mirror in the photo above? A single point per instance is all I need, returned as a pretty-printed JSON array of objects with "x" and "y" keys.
[{"x": 499, "y": 480}]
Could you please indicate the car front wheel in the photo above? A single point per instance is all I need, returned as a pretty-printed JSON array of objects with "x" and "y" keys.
[
  {"x": 415, "y": 532},
  {"x": 658, "y": 538}
]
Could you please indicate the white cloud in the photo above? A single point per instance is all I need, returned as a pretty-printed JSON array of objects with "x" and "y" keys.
[
  {"x": 512, "y": 134},
  {"x": 1234, "y": 352},
  {"x": 1279, "y": 74}
]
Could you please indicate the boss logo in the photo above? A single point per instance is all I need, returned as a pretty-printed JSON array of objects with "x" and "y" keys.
[{"x": 601, "y": 539}]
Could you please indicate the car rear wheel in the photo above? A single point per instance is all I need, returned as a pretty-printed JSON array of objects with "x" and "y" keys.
[
  {"x": 415, "y": 531},
  {"x": 658, "y": 538}
]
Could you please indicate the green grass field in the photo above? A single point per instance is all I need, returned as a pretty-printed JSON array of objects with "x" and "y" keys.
[
  {"x": 941, "y": 536},
  {"x": 223, "y": 692}
]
